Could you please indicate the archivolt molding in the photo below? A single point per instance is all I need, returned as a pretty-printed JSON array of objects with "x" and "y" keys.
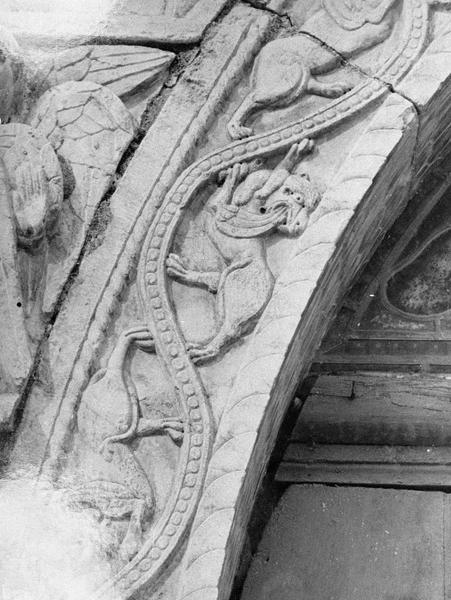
[
  {"x": 241, "y": 201},
  {"x": 304, "y": 295}
]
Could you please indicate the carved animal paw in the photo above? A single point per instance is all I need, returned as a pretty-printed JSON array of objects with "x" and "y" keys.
[
  {"x": 129, "y": 547},
  {"x": 176, "y": 267},
  {"x": 237, "y": 131},
  {"x": 106, "y": 450},
  {"x": 237, "y": 173},
  {"x": 242, "y": 170},
  {"x": 305, "y": 146},
  {"x": 335, "y": 90},
  {"x": 174, "y": 428},
  {"x": 199, "y": 353},
  {"x": 298, "y": 151}
]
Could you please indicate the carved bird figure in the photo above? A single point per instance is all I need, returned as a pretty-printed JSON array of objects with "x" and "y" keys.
[
  {"x": 63, "y": 132},
  {"x": 123, "y": 69}
]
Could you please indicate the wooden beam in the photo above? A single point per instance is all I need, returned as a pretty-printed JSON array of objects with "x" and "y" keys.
[
  {"x": 368, "y": 408},
  {"x": 394, "y": 466}
]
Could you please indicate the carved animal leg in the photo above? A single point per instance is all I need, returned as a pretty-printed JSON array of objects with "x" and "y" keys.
[
  {"x": 243, "y": 293},
  {"x": 328, "y": 90},
  {"x": 172, "y": 426},
  {"x": 235, "y": 126},
  {"x": 133, "y": 538},
  {"x": 177, "y": 268},
  {"x": 139, "y": 334},
  {"x": 200, "y": 353}
]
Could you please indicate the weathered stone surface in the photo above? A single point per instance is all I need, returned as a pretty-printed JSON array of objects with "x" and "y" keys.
[
  {"x": 265, "y": 181},
  {"x": 57, "y": 165},
  {"x": 353, "y": 543},
  {"x": 136, "y": 21}
]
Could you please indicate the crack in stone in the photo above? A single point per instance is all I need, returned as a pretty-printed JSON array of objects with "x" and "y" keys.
[
  {"x": 102, "y": 216},
  {"x": 261, "y": 5},
  {"x": 179, "y": 66},
  {"x": 347, "y": 63}
]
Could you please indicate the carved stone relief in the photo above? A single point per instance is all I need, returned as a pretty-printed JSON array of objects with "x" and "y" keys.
[
  {"x": 59, "y": 153},
  {"x": 230, "y": 244},
  {"x": 252, "y": 203},
  {"x": 163, "y": 21},
  {"x": 286, "y": 68}
]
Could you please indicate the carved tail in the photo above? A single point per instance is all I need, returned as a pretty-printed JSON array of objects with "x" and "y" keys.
[
  {"x": 116, "y": 366},
  {"x": 170, "y": 531}
]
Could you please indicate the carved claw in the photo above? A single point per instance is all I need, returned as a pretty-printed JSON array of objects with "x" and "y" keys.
[
  {"x": 199, "y": 353},
  {"x": 129, "y": 548},
  {"x": 237, "y": 173},
  {"x": 237, "y": 131},
  {"x": 176, "y": 267},
  {"x": 297, "y": 151},
  {"x": 305, "y": 146},
  {"x": 142, "y": 337},
  {"x": 140, "y": 332},
  {"x": 107, "y": 451},
  {"x": 174, "y": 428},
  {"x": 335, "y": 90},
  {"x": 139, "y": 335},
  {"x": 234, "y": 174}
]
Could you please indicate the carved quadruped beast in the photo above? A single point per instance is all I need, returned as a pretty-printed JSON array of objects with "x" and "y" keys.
[
  {"x": 233, "y": 224},
  {"x": 252, "y": 203},
  {"x": 285, "y": 69}
]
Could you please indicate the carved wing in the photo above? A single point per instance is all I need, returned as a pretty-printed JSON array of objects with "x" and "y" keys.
[
  {"x": 352, "y": 14},
  {"x": 90, "y": 129},
  {"x": 121, "y": 68}
]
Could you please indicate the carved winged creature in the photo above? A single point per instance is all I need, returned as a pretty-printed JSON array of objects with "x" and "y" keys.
[
  {"x": 252, "y": 203},
  {"x": 123, "y": 69},
  {"x": 286, "y": 68},
  {"x": 63, "y": 133}
]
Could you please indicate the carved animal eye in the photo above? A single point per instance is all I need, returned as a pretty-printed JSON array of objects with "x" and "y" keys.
[
  {"x": 262, "y": 210},
  {"x": 287, "y": 190}
]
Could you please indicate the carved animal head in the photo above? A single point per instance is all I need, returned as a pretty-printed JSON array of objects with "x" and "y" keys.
[{"x": 292, "y": 203}]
